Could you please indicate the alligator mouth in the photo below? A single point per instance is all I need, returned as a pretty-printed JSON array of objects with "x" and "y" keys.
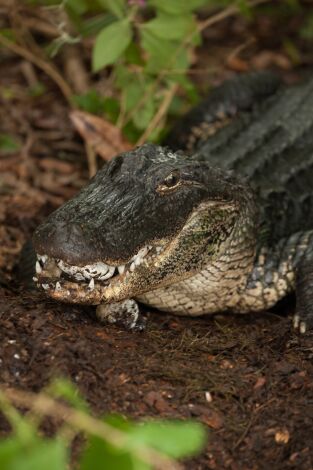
[{"x": 92, "y": 283}]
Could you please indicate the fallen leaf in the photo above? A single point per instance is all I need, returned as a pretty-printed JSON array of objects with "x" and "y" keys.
[
  {"x": 266, "y": 59},
  {"x": 104, "y": 138},
  {"x": 237, "y": 64}
]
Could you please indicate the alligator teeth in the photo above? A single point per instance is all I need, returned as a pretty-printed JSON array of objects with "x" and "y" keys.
[
  {"x": 141, "y": 253},
  {"x": 38, "y": 267},
  {"x": 45, "y": 286},
  {"x": 121, "y": 269},
  {"x": 42, "y": 258},
  {"x": 91, "y": 284},
  {"x": 57, "y": 286},
  {"x": 109, "y": 274},
  {"x": 302, "y": 327},
  {"x": 35, "y": 279},
  {"x": 90, "y": 272},
  {"x": 138, "y": 261}
]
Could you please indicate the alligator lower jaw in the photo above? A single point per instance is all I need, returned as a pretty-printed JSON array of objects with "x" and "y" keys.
[
  {"x": 75, "y": 292},
  {"x": 91, "y": 284}
]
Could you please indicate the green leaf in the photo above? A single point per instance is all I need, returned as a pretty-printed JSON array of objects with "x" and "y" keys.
[
  {"x": 133, "y": 54},
  {"x": 100, "y": 455},
  {"x": 187, "y": 85},
  {"x": 8, "y": 144},
  {"x": 177, "y": 106},
  {"x": 45, "y": 455},
  {"x": 145, "y": 113},
  {"x": 178, "y": 7},
  {"x": 110, "y": 43},
  {"x": 123, "y": 76},
  {"x": 91, "y": 102},
  {"x": 133, "y": 94},
  {"x": 175, "y": 439},
  {"x": 111, "y": 107},
  {"x": 92, "y": 26},
  {"x": 118, "y": 422},
  {"x": 62, "y": 388},
  {"x": 9, "y": 449},
  {"x": 131, "y": 132},
  {"x": 39, "y": 455},
  {"x": 79, "y": 7},
  {"x": 117, "y": 7},
  {"x": 163, "y": 54},
  {"x": 171, "y": 27}
]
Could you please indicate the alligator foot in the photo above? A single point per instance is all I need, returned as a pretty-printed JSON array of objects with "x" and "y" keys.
[{"x": 125, "y": 314}]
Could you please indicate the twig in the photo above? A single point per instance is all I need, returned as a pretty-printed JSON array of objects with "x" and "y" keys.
[
  {"x": 92, "y": 160},
  {"x": 48, "y": 68},
  {"x": 46, "y": 406},
  {"x": 74, "y": 69},
  {"x": 222, "y": 15},
  {"x": 168, "y": 96}
]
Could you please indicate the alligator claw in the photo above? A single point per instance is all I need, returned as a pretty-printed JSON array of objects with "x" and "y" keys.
[
  {"x": 125, "y": 314},
  {"x": 299, "y": 324}
]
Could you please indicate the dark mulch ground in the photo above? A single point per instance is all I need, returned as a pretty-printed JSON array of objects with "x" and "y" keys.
[
  {"x": 258, "y": 372},
  {"x": 248, "y": 379}
]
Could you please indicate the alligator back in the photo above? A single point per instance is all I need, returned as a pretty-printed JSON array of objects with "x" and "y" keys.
[{"x": 272, "y": 146}]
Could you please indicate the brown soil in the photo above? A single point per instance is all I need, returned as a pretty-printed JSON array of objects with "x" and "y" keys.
[{"x": 249, "y": 379}]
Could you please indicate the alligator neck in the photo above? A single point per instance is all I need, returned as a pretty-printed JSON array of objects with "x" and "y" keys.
[{"x": 219, "y": 285}]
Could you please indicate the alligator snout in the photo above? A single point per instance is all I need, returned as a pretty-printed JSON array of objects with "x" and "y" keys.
[{"x": 64, "y": 240}]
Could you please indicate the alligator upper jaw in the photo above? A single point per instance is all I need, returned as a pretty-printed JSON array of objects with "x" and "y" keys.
[{"x": 94, "y": 283}]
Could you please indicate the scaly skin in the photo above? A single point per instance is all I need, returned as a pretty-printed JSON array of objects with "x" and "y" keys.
[{"x": 238, "y": 238}]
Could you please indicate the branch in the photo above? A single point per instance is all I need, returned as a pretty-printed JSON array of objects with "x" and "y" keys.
[{"x": 168, "y": 96}]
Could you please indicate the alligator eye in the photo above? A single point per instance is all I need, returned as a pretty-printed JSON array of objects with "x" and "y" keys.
[{"x": 170, "y": 182}]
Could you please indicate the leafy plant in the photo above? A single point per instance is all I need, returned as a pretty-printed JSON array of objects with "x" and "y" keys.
[
  {"x": 147, "y": 48},
  {"x": 110, "y": 443}
]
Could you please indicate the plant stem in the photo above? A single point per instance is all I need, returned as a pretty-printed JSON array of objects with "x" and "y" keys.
[{"x": 48, "y": 68}]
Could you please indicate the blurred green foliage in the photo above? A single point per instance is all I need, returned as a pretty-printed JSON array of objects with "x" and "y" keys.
[{"x": 110, "y": 443}]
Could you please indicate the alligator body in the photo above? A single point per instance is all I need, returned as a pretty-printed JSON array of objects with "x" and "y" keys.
[{"x": 225, "y": 225}]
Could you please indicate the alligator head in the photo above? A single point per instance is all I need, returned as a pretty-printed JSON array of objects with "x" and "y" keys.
[{"x": 149, "y": 218}]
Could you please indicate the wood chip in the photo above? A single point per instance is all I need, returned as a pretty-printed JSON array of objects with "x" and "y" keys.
[{"x": 282, "y": 436}]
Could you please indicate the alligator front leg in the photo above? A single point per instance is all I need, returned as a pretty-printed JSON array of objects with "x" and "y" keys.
[
  {"x": 278, "y": 271},
  {"x": 125, "y": 314},
  {"x": 303, "y": 319}
]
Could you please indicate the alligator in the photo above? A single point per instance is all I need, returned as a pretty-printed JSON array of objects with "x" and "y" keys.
[{"x": 219, "y": 219}]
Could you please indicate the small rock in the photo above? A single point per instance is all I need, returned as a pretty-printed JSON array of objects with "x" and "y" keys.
[{"x": 282, "y": 436}]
